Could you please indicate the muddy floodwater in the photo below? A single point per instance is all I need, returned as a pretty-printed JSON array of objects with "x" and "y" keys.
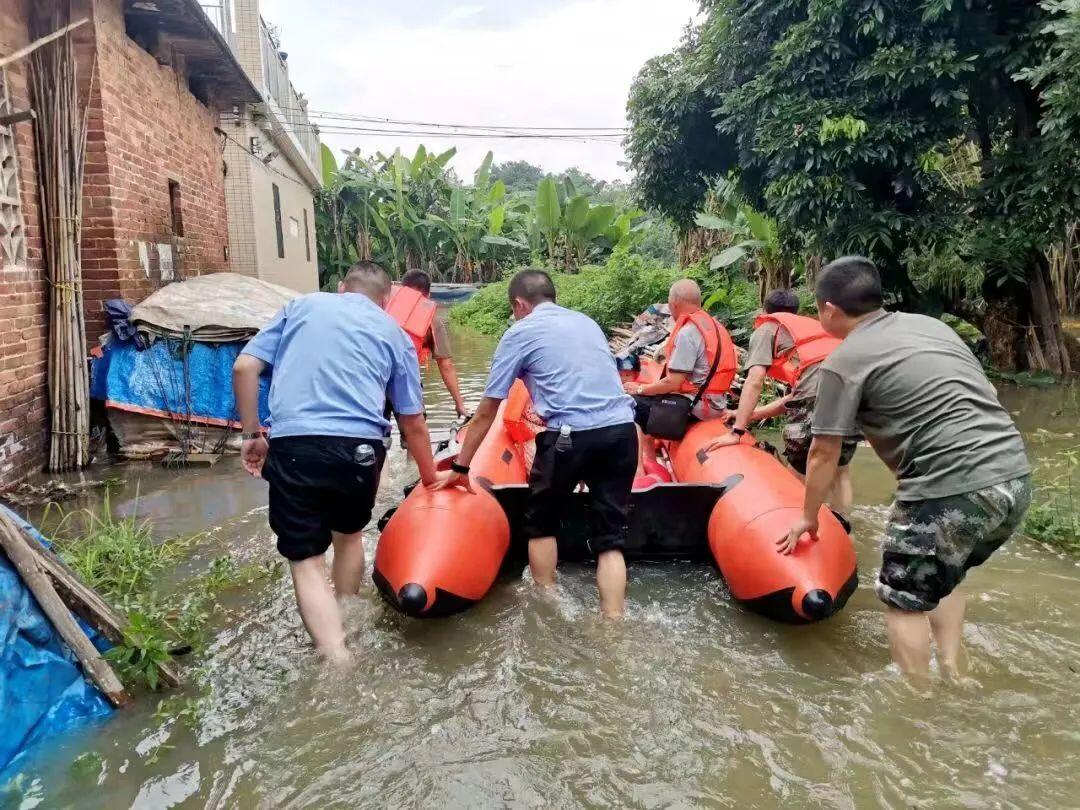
[{"x": 533, "y": 701}]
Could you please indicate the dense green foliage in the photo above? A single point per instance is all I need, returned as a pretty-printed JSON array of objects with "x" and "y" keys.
[
  {"x": 616, "y": 292},
  {"x": 413, "y": 213},
  {"x": 911, "y": 132},
  {"x": 120, "y": 560}
]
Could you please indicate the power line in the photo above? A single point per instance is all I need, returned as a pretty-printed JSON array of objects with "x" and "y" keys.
[
  {"x": 338, "y": 129},
  {"x": 371, "y": 119}
]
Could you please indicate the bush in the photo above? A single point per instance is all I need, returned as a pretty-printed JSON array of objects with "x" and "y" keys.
[{"x": 616, "y": 292}]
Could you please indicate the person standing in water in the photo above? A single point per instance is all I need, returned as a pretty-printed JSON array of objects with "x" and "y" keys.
[
  {"x": 564, "y": 360},
  {"x": 335, "y": 359},
  {"x": 790, "y": 348},
  {"x": 921, "y": 399},
  {"x": 437, "y": 341}
]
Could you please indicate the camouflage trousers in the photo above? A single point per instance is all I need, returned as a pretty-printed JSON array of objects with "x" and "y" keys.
[
  {"x": 930, "y": 545},
  {"x": 798, "y": 435}
]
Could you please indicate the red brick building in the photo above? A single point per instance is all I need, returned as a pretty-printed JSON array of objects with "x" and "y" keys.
[{"x": 154, "y": 194}]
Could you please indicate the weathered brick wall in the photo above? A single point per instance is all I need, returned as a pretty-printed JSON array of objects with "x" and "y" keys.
[
  {"x": 148, "y": 129},
  {"x": 23, "y": 292},
  {"x": 145, "y": 129}
]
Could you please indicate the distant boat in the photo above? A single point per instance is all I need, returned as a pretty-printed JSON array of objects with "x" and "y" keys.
[{"x": 453, "y": 293}]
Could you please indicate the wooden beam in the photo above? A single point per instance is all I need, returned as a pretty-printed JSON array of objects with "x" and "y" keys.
[
  {"x": 88, "y": 605},
  {"x": 22, "y": 556},
  {"x": 17, "y": 117},
  {"x": 22, "y": 53}
]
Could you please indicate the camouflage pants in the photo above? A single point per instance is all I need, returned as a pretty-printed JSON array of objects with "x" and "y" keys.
[
  {"x": 798, "y": 435},
  {"x": 930, "y": 545}
]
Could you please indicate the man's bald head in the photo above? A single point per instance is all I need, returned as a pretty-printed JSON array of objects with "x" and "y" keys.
[
  {"x": 367, "y": 278},
  {"x": 684, "y": 297}
]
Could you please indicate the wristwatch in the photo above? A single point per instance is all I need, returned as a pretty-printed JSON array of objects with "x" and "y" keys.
[
  {"x": 460, "y": 469},
  {"x": 248, "y": 436},
  {"x": 640, "y": 390},
  {"x": 739, "y": 431}
]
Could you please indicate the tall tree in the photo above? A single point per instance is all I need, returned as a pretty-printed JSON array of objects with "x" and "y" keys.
[{"x": 903, "y": 129}]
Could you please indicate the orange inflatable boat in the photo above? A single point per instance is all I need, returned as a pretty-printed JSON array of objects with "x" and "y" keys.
[
  {"x": 761, "y": 503},
  {"x": 441, "y": 552}
]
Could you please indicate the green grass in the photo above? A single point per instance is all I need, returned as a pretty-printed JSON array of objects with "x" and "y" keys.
[
  {"x": 1054, "y": 516},
  {"x": 121, "y": 560}
]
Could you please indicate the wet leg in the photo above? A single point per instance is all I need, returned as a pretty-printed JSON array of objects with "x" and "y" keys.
[
  {"x": 543, "y": 559},
  {"x": 841, "y": 495},
  {"x": 611, "y": 581},
  {"x": 319, "y": 609},
  {"x": 909, "y": 641},
  {"x": 348, "y": 568},
  {"x": 947, "y": 625}
]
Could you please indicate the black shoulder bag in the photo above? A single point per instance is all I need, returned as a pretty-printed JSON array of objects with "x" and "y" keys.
[{"x": 669, "y": 414}]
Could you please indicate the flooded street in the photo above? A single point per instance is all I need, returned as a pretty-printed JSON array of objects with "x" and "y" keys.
[{"x": 531, "y": 700}]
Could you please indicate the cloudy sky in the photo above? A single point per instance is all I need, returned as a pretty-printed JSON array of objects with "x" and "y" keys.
[{"x": 550, "y": 63}]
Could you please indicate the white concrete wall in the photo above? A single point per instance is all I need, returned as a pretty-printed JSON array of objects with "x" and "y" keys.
[{"x": 249, "y": 192}]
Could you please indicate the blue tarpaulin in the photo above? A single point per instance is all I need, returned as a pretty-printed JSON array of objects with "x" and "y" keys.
[
  {"x": 42, "y": 690},
  {"x": 153, "y": 381}
]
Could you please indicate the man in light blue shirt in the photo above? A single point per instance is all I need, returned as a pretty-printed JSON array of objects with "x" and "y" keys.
[
  {"x": 564, "y": 360},
  {"x": 335, "y": 359}
]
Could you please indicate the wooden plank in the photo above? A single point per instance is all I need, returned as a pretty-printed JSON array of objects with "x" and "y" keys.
[
  {"x": 22, "y": 556},
  {"x": 17, "y": 117},
  {"x": 87, "y": 604},
  {"x": 22, "y": 53}
]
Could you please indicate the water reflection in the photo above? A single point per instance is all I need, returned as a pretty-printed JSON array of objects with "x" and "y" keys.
[{"x": 531, "y": 700}]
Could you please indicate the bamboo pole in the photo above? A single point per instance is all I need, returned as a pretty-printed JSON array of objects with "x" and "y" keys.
[
  {"x": 25, "y": 561},
  {"x": 60, "y": 136}
]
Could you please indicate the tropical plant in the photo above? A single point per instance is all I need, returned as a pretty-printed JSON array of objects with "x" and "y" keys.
[{"x": 413, "y": 212}]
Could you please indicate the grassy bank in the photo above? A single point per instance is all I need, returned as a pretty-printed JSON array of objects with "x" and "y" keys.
[
  {"x": 1054, "y": 516},
  {"x": 615, "y": 292},
  {"x": 165, "y": 613}
]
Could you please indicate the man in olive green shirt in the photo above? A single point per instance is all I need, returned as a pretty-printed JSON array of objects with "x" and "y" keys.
[{"x": 921, "y": 399}]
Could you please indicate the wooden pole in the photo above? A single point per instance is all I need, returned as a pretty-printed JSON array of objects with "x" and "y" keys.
[
  {"x": 24, "y": 559},
  {"x": 22, "y": 53},
  {"x": 88, "y": 605}
]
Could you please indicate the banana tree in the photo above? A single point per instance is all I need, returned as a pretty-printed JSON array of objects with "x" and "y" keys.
[{"x": 753, "y": 240}]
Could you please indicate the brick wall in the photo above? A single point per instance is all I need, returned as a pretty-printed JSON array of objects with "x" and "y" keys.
[
  {"x": 23, "y": 293},
  {"x": 147, "y": 130}
]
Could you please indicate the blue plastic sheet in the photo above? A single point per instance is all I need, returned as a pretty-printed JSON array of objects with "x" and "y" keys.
[
  {"x": 153, "y": 380},
  {"x": 42, "y": 690}
]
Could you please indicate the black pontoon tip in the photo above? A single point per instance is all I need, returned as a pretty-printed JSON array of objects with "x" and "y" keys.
[{"x": 412, "y": 599}]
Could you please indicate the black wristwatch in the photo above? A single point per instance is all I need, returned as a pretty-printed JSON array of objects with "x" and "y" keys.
[
  {"x": 256, "y": 435},
  {"x": 739, "y": 431},
  {"x": 460, "y": 469}
]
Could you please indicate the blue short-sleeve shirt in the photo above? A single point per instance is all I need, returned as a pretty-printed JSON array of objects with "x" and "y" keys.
[
  {"x": 336, "y": 359},
  {"x": 564, "y": 360}
]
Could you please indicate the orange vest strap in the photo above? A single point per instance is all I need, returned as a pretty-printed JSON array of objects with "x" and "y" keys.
[
  {"x": 812, "y": 345},
  {"x": 717, "y": 340},
  {"x": 414, "y": 313}
]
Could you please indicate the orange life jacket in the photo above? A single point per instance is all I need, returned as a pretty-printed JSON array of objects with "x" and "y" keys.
[
  {"x": 812, "y": 345},
  {"x": 716, "y": 339},
  {"x": 414, "y": 313}
]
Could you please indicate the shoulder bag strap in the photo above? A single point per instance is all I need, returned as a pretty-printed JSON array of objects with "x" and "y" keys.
[{"x": 715, "y": 366}]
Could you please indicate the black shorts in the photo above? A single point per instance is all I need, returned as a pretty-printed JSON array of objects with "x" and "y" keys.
[
  {"x": 319, "y": 485},
  {"x": 606, "y": 460},
  {"x": 643, "y": 407}
]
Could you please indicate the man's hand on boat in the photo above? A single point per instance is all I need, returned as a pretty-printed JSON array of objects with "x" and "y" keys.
[
  {"x": 449, "y": 480},
  {"x": 786, "y": 545},
  {"x": 727, "y": 440}
]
